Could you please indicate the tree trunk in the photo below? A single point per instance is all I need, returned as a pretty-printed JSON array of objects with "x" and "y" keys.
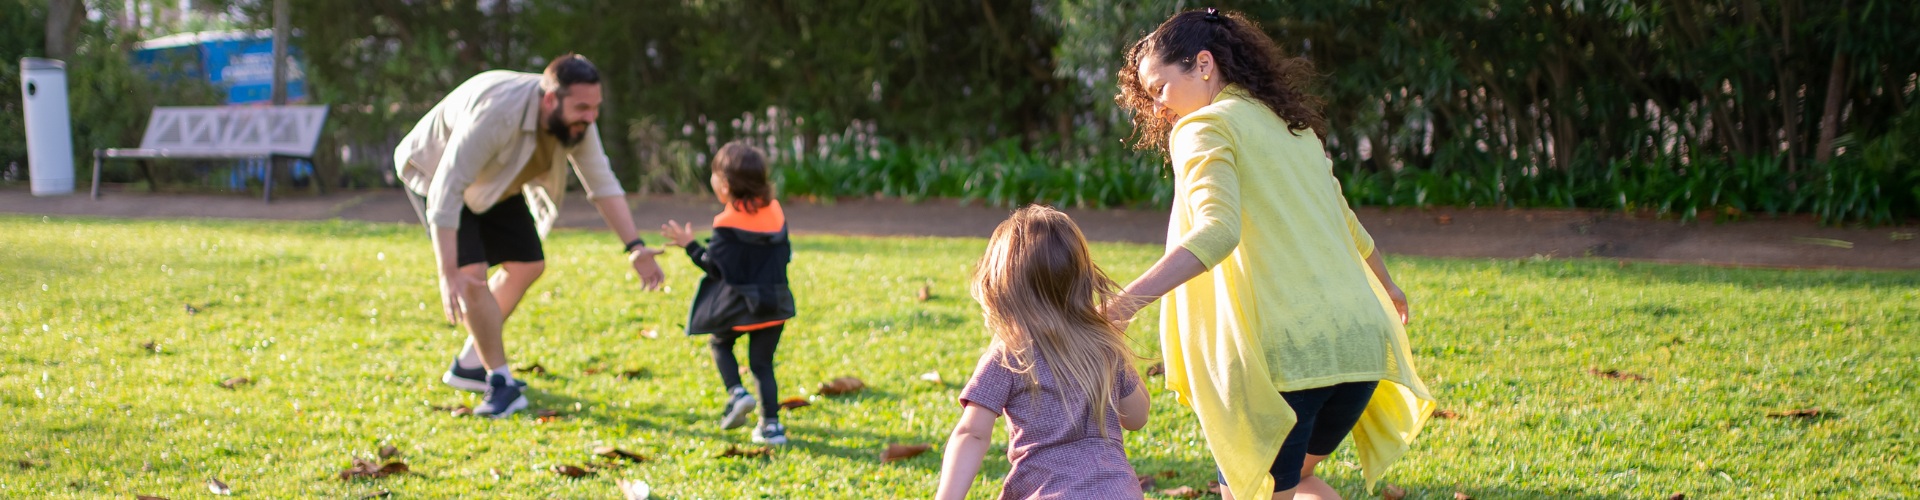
[
  {"x": 1830, "y": 117},
  {"x": 63, "y": 27}
]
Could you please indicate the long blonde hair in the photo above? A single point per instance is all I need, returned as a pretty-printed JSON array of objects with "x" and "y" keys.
[{"x": 1041, "y": 290}]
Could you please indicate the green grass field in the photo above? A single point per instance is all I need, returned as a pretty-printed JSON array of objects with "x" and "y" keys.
[{"x": 337, "y": 324}]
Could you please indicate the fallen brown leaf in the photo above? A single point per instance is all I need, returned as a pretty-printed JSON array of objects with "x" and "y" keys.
[
  {"x": 496, "y": 473},
  {"x": 462, "y": 411},
  {"x": 1678, "y": 496},
  {"x": 1146, "y": 482},
  {"x": 150, "y": 346},
  {"x": 1444, "y": 414},
  {"x": 1443, "y": 220},
  {"x": 1181, "y": 492},
  {"x": 570, "y": 471},
  {"x": 896, "y": 452},
  {"x": 926, "y": 293},
  {"x": 1157, "y": 369},
  {"x": 190, "y": 309},
  {"x": 217, "y": 487},
  {"x": 734, "y": 451},
  {"x": 1461, "y": 496},
  {"x": 534, "y": 369},
  {"x": 1618, "y": 375},
  {"x": 367, "y": 470},
  {"x": 376, "y": 494},
  {"x": 26, "y": 464},
  {"x": 1391, "y": 492},
  {"x": 794, "y": 402},
  {"x": 235, "y": 382},
  {"x": 1801, "y": 413},
  {"x": 149, "y": 497},
  {"x": 636, "y": 374},
  {"x": 616, "y": 453},
  {"x": 594, "y": 371},
  {"x": 388, "y": 451},
  {"x": 546, "y": 412},
  {"x": 1167, "y": 474},
  {"x": 650, "y": 333},
  {"x": 842, "y": 385}
]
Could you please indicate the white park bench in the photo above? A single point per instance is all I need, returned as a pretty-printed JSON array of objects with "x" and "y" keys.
[{"x": 224, "y": 132}]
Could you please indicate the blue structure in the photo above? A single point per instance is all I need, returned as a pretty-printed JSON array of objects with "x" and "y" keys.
[{"x": 239, "y": 61}]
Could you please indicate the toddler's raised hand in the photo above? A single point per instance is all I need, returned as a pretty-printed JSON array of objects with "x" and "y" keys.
[{"x": 678, "y": 234}]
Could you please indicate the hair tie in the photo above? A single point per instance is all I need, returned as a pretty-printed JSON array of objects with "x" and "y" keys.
[{"x": 1213, "y": 14}]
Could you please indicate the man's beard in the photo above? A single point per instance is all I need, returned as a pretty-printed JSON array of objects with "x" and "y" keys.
[{"x": 560, "y": 129}]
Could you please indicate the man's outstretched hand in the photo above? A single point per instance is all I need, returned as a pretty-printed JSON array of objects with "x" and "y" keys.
[{"x": 643, "y": 264}]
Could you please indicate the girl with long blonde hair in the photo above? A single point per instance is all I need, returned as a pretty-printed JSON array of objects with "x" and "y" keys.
[{"x": 1056, "y": 368}]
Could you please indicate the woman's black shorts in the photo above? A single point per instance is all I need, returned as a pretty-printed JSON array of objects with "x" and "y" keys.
[
  {"x": 504, "y": 233},
  {"x": 1326, "y": 415}
]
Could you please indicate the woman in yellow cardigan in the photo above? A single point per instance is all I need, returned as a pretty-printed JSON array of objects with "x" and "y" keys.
[{"x": 1281, "y": 328}]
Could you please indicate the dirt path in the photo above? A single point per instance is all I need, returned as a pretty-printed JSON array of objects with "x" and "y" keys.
[{"x": 1444, "y": 232}]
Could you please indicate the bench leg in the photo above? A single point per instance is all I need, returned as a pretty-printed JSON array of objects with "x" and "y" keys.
[
  {"x": 269, "y": 178},
  {"x": 96, "y": 175}
]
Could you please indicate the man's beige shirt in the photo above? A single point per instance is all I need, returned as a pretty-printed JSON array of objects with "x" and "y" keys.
[{"x": 471, "y": 147}]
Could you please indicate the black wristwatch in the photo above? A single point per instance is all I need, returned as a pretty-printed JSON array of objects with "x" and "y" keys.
[{"x": 636, "y": 243}]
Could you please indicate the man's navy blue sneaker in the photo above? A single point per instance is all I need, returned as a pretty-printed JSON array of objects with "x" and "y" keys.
[
  {"x": 502, "y": 399},
  {"x": 770, "y": 433},
  {"x": 739, "y": 405},
  {"x": 466, "y": 379}
]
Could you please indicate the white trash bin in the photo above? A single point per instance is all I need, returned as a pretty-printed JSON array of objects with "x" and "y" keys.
[{"x": 43, "y": 85}]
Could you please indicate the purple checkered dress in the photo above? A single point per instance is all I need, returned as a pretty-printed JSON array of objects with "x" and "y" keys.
[{"x": 1055, "y": 449}]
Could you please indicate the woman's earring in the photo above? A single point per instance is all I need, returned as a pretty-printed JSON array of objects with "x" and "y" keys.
[{"x": 1205, "y": 77}]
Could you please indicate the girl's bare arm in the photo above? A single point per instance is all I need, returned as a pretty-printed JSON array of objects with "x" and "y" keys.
[
  {"x": 965, "y": 449},
  {"x": 1134, "y": 408}
]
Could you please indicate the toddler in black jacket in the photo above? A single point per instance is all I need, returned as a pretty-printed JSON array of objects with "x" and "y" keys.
[{"x": 745, "y": 291}]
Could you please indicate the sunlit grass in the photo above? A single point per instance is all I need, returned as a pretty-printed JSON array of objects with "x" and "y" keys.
[{"x": 337, "y": 324}]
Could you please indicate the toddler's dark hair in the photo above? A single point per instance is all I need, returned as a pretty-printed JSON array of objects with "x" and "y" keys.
[{"x": 745, "y": 170}]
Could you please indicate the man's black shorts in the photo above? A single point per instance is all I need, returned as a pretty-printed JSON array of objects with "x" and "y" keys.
[{"x": 505, "y": 233}]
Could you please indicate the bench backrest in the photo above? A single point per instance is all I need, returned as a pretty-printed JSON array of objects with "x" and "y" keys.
[{"x": 235, "y": 130}]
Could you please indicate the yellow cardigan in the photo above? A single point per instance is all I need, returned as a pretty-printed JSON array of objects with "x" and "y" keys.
[{"x": 1288, "y": 302}]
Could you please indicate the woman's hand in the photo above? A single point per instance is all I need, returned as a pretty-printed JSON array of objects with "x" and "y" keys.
[
  {"x": 677, "y": 235},
  {"x": 1399, "y": 302}
]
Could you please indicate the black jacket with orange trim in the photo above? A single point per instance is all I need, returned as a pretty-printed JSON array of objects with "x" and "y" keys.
[{"x": 746, "y": 282}]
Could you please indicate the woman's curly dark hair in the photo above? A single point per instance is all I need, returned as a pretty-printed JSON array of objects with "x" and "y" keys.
[{"x": 1243, "y": 54}]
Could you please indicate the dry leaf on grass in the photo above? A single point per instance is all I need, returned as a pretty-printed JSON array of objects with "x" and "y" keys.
[
  {"x": 570, "y": 471},
  {"x": 650, "y": 333},
  {"x": 149, "y": 497},
  {"x": 1678, "y": 496},
  {"x": 1181, "y": 492},
  {"x": 546, "y": 412},
  {"x": 1461, "y": 496},
  {"x": 634, "y": 489},
  {"x": 1807, "y": 413},
  {"x": 1167, "y": 474},
  {"x": 462, "y": 412},
  {"x": 616, "y": 453},
  {"x": 1391, "y": 492},
  {"x": 931, "y": 377},
  {"x": 1618, "y": 375},
  {"x": 925, "y": 294},
  {"x": 150, "y": 346},
  {"x": 533, "y": 369},
  {"x": 388, "y": 451},
  {"x": 842, "y": 385},
  {"x": 235, "y": 382},
  {"x": 366, "y": 470},
  {"x": 217, "y": 487},
  {"x": 26, "y": 464},
  {"x": 735, "y": 451},
  {"x": 794, "y": 402},
  {"x": 1157, "y": 369},
  {"x": 376, "y": 494},
  {"x": 594, "y": 371},
  {"x": 896, "y": 452},
  {"x": 1444, "y": 414},
  {"x": 190, "y": 309},
  {"x": 635, "y": 374}
]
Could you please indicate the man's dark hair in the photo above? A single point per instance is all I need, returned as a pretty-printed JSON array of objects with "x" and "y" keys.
[{"x": 566, "y": 71}]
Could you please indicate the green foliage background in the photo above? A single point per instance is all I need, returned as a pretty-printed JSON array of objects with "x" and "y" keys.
[{"x": 1688, "y": 107}]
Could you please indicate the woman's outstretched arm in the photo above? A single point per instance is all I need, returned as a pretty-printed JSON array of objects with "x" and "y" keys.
[{"x": 965, "y": 449}]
